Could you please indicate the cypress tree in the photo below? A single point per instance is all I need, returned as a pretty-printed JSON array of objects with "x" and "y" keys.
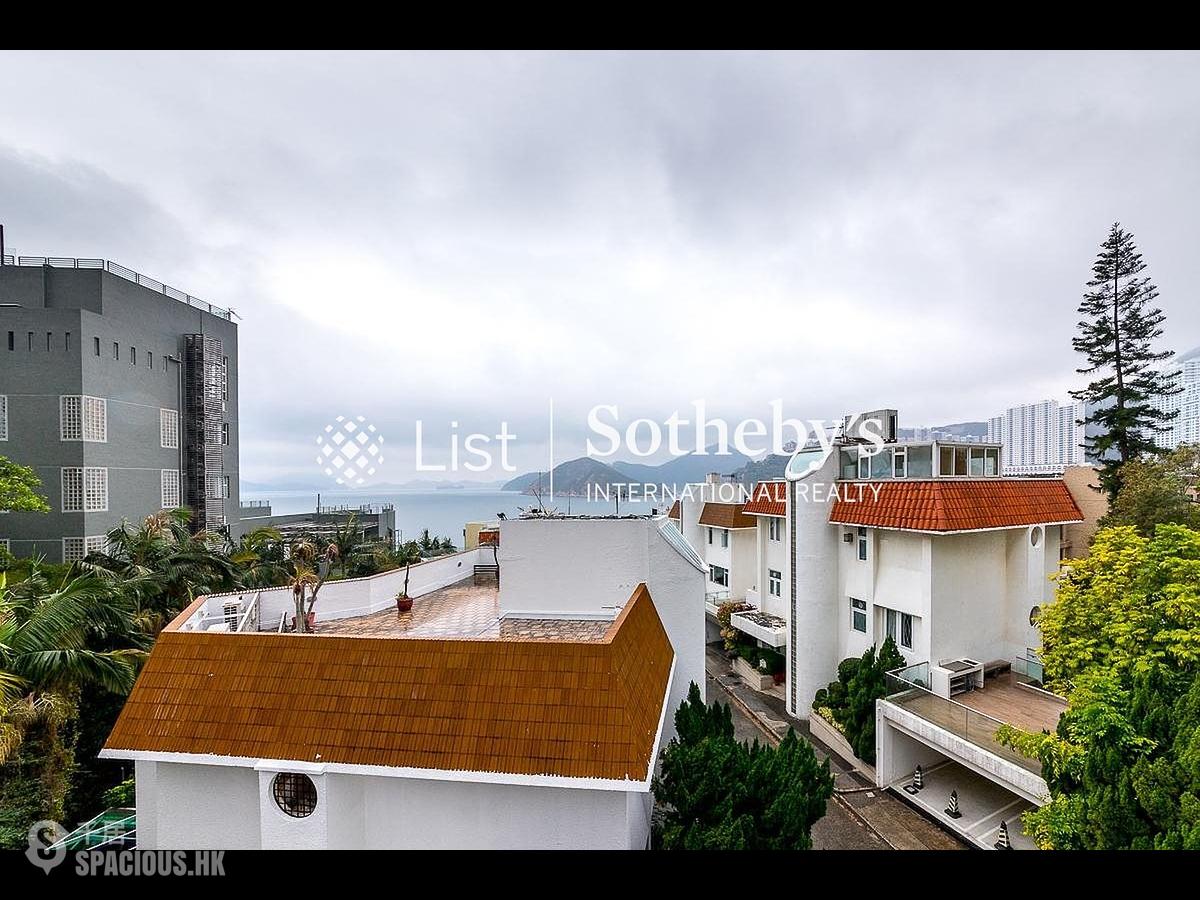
[{"x": 1118, "y": 325}]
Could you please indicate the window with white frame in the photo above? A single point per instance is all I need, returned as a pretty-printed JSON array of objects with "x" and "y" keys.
[
  {"x": 216, "y": 487},
  {"x": 72, "y": 489},
  {"x": 96, "y": 543},
  {"x": 899, "y": 627},
  {"x": 900, "y": 462},
  {"x": 862, "y": 543},
  {"x": 72, "y": 549},
  {"x": 774, "y": 529},
  {"x": 774, "y": 583},
  {"x": 718, "y": 575},
  {"x": 858, "y": 615},
  {"x": 95, "y": 489},
  {"x": 168, "y": 428},
  {"x": 83, "y": 418},
  {"x": 84, "y": 489},
  {"x": 5, "y": 545},
  {"x": 3, "y": 417},
  {"x": 724, "y": 537},
  {"x": 170, "y": 488}
]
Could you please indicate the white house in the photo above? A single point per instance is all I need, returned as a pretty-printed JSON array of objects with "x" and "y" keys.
[
  {"x": 524, "y": 715},
  {"x": 711, "y": 517},
  {"x": 927, "y": 543}
]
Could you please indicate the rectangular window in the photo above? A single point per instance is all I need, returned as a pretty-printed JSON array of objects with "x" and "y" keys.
[
  {"x": 70, "y": 418},
  {"x": 864, "y": 464},
  {"x": 49, "y": 341},
  {"x": 975, "y": 462},
  {"x": 12, "y": 340},
  {"x": 900, "y": 462},
  {"x": 945, "y": 461},
  {"x": 29, "y": 343},
  {"x": 149, "y": 360},
  {"x": 918, "y": 462},
  {"x": 774, "y": 529},
  {"x": 5, "y": 545},
  {"x": 224, "y": 434},
  {"x": 83, "y": 418},
  {"x": 862, "y": 543},
  {"x": 96, "y": 345},
  {"x": 72, "y": 489},
  {"x": 72, "y": 549},
  {"x": 95, "y": 489},
  {"x": 116, "y": 350},
  {"x": 170, "y": 488},
  {"x": 858, "y": 615},
  {"x": 891, "y": 622},
  {"x": 168, "y": 429},
  {"x": 718, "y": 575},
  {"x": 133, "y": 356},
  {"x": 774, "y": 583},
  {"x": 96, "y": 543},
  {"x": 67, "y": 341},
  {"x": 724, "y": 537},
  {"x": 906, "y": 631},
  {"x": 224, "y": 377},
  {"x": 992, "y": 462},
  {"x": 3, "y": 417},
  {"x": 710, "y": 536},
  {"x": 95, "y": 419}
]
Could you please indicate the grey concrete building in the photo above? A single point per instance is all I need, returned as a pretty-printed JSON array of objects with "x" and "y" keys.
[{"x": 121, "y": 392}]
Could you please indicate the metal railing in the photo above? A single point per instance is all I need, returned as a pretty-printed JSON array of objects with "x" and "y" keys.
[
  {"x": 369, "y": 508},
  {"x": 68, "y": 262},
  {"x": 1029, "y": 671},
  {"x": 114, "y": 828},
  {"x": 249, "y": 619},
  {"x": 255, "y": 504}
]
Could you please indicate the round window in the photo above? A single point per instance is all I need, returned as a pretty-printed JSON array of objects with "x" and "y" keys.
[
  {"x": 1035, "y": 536},
  {"x": 295, "y": 794},
  {"x": 1034, "y": 615}
]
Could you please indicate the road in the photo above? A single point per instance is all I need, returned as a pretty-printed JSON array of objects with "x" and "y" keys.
[{"x": 859, "y": 817}]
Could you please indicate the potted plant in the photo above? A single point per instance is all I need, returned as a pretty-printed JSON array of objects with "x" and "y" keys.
[
  {"x": 407, "y": 555},
  {"x": 403, "y": 601}
]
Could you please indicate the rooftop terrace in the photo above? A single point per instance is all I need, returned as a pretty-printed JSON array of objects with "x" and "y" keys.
[{"x": 463, "y": 609}]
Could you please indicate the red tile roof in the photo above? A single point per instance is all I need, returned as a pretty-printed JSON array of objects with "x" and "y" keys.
[
  {"x": 769, "y": 499},
  {"x": 726, "y": 515},
  {"x": 952, "y": 505},
  {"x": 566, "y": 708}
]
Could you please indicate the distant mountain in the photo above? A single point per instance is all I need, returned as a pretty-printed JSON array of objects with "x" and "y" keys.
[
  {"x": 769, "y": 468},
  {"x": 970, "y": 430},
  {"x": 572, "y": 477},
  {"x": 681, "y": 470}
]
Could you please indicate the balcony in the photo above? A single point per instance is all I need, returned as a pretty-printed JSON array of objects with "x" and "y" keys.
[{"x": 964, "y": 728}]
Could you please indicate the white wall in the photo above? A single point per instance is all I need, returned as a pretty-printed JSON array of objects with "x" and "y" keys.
[
  {"x": 194, "y": 807},
  {"x": 186, "y": 806},
  {"x": 591, "y": 567},
  {"x": 772, "y": 555},
  {"x": 814, "y": 653}
]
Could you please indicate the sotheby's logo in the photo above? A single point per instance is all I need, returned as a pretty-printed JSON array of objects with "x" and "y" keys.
[{"x": 351, "y": 450}]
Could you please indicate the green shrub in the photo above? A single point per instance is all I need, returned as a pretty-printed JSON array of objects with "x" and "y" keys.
[{"x": 850, "y": 701}]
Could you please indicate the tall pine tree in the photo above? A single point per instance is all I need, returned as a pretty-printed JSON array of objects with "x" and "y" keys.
[{"x": 1118, "y": 325}]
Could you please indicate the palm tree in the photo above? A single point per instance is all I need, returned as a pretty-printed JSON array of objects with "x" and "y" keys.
[
  {"x": 306, "y": 581},
  {"x": 162, "y": 566},
  {"x": 259, "y": 558},
  {"x": 48, "y": 640}
]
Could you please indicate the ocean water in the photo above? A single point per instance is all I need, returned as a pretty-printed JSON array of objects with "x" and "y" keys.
[{"x": 444, "y": 513}]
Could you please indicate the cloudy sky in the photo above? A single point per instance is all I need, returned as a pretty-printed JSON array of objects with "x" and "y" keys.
[{"x": 461, "y": 237}]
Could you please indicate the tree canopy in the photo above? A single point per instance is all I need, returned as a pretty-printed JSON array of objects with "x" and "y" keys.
[
  {"x": 719, "y": 793},
  {"x": 1118, "y": 325},
  {"x": 19, "y": 486},
  {"x": 1122, "y": 640},
  {"x": 1158, "y": 490}
]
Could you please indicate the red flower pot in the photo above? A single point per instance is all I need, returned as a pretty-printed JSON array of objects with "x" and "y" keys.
[{"x": 403, "y": 604}]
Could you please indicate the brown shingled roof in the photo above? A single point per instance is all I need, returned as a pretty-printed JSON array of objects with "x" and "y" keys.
[
  {"x": 675, "y": 511},
  {"x": 726, "y": 515},
  {"x": 952, "y": 505},
  {"x": 769, "y": 499},
  {"x": 576, "y": 709}
]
